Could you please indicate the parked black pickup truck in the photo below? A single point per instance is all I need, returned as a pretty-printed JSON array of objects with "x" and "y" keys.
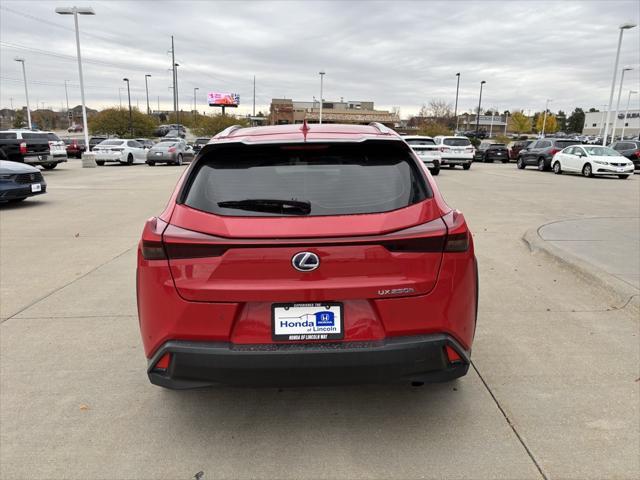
[{"x": 26, "y": 146}]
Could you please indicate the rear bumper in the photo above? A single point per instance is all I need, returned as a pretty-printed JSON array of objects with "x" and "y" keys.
[
  {"x": 458, "y": 160},
  {"x": 419, "y": 358}
]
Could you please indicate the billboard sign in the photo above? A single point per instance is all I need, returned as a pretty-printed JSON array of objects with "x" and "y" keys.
[{"x": 221, "y": 99}]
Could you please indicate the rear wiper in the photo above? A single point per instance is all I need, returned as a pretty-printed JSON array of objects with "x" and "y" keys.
[{"x": 293, "y": 207}]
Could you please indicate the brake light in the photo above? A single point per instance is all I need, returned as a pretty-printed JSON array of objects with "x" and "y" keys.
[
  {"x": 458, "y": 236},
  {"x": 444, "y": 149},
  {"x": 553, "y": 151},
  {"x": 469, "y": 149},
  {"x": 428, "y": 237},
  {"x": 172, "y": 149},
  {"x": 151, "y": 246},
  {"x": 23, "y": 148},
  {"x": 117, "y": 149},
  {"x": 637, "y": 153}
]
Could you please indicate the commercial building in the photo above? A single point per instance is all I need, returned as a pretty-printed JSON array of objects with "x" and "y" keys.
[
  {"x": 286, "y": 111},
  {"x": 594, "y": 123},
  {"x": 496, "y": 124}
]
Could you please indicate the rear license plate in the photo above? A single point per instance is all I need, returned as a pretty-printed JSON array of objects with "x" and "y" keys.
[
  {"x": 43, "y": 157},
  {"x": 36, "y": 187},
  {"x": 307, "y": 321},
  {"x": 158, "y": 154}
]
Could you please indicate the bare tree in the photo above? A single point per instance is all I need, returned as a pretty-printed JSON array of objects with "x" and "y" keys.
[{"x": 440, "y": 109}]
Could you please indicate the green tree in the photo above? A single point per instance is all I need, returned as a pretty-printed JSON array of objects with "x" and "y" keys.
[
  {"x": 550, "y": 124},
  {"x": 432, "y": 128},
  {"x": 561, "y": 118},
  {"x": 520, "y": 123},
  {"x": 19, "y": 120},
  {"x": 575, "y": 122},
  {"x": 209, "y": 126},
  {"x": 115, "y": 121}
]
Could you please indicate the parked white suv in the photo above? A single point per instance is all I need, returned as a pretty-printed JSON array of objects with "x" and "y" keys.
[
  {"x": 455, "y": 151},
  {"x": 427, "y": 151},
  {"x": 57, "y": 148},
  {"x": 120, "y": 151}
]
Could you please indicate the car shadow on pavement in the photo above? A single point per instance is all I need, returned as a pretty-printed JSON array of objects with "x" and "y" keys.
[{"x": 25, "y": 204}]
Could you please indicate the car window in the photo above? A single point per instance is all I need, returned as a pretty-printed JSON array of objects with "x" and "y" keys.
[
  {"x": 543, "y": 144},
  {"x": 600, "y": 151},
  {"x": 33, "y": 136},
  {"x": 8, "y": 136},
  {"x": 202, "y": 141},
  {"x": 112, "y": 142},
  {"x": 457, "y": 142},
  {"x": 578, "y": 151},
  {"x": 570, "y": 151},
  {"x": 565, "y": 143},
  {"x": 53, "y": 137},
  {"x": 420, "y": 141},
  {"x": 497, "y": 146},
  {"x": 134, "y": 144},
  {"x": 623, "y": 146},
  {"x": 336, "y": 179}
]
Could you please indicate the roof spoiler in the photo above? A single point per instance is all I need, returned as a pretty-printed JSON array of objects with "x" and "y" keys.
[
  {"x": 227, "y": 131},
  {"x": 382, "y": 128}
]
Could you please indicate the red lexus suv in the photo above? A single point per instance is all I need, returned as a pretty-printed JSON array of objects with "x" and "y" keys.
[{"x": 306, "y": 255}]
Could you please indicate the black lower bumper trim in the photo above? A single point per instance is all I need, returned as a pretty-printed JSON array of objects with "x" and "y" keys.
[{"x": 419, "y": 358}]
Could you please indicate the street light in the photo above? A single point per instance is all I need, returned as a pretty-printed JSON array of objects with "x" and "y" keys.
[
  {"x": 195, "y": 104},
  {"x": 455, "y": 110},
  {"x": 321, "y": 79},
  {"x": 129, "y": 97},
  {"x": 544, "y": 119},
  {"x": 623, "y": 27},
  {"x": 75, "y": 11},
  {"x": 479, "y": 104},
  {"x": 26, "y": 92},
  {"x": 175, "y": 90},
  {"x": 626, "y": 113},
  {"x": 615, "y": 117},
  {"x": 146, "y": 87}
]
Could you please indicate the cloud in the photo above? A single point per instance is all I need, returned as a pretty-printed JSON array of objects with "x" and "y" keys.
[{"x": 394, "y": 53}]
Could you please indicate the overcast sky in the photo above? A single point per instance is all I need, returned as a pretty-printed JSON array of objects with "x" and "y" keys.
[{"x": 394, "y": 53}]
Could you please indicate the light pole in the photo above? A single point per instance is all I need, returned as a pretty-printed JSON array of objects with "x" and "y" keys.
[
  {"x": 455, "y": 109},
  {"x": 615, "y": 117},
  {"x": 26, "y": 92},
  {"x": 66, "y": 95},
  {"x": 146, "y": 87},
  {"x": 623, "y": 27},
  {"x": 321, "y": 85},
  {"x": 544, "y": 119},
  {"x": 479, "y": 105},
  {"x": 129, "y": 97},
  {"x": 626, "y": 113},
  {"x": 195, "y": 104},
  {"x": 89, "y": 161},
  {"x": 175, "y": 91},
  {"x": 604, "y": 111}
]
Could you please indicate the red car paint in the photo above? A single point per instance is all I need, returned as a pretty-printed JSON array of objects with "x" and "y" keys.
[{"x": 242, "y": 265}]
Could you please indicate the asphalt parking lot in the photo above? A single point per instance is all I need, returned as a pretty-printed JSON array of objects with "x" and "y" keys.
[{"x": 554, "y": 392}]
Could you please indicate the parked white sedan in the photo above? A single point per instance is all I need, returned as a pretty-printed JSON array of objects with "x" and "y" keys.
[
  {"x": 121, "y": 151},
  {"x": 591, "y": 160}
]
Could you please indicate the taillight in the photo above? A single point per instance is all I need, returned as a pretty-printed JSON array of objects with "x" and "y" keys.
[
  {"x": 444, "y": 149},
  {"x": 172, "y": 149},
  {"x": 428, "y": 237},
  {"x": 553, "y": 151},
  {"x": 163, "y": 363},
  {"x": 458, "y": 236},
  {"x": 452, "y": 355},
  {"x": 180, "y": 243},
  {"x": 23, "y": 148},
  {"x": 638, "y": 153},
  {"x": 469, "y": 149},
  {"x": 151, "y": 246}
]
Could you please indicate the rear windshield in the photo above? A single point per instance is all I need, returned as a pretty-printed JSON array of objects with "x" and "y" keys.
[
  {"x": 8, "y": 136},
  {"x": 202, "y": 141},
  {"x": 497, "y": 145},
  {"x": 31, "y": 135},
  {"x": 53, "y": 137},
  {"x": 112, "y": 142},
  {"x": 456, "y": 142},
  {"x": 330, "y": 179},
  {"x": 421, "y": 141}
]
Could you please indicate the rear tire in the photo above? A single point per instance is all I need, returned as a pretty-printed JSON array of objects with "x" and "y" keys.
[
  {"x": 151, "y": 163},
  {"x": 623, "y": 177},
  {"x": 557, "y": 169},
  {"x": 179, "y": 161},
  {"x": 100, "y": 162},
  {"x": 435, "y": 171},
  {"x": 49, "y": 166},
  {"x": 466, "y": 166},
  {"x": 520, "y": 164},
  {"x": 587, "y": 171},
  {"x": 541, "y": 165},
  {"x": 451, "y": 166},
  {"x": 130, "y": 160}
]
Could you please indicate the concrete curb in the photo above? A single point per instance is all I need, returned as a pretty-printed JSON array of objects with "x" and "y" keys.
[{"x": 623, "y": 293}]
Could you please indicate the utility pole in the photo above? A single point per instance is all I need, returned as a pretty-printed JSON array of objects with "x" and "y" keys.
[
  {"x": 158, "y": 103},
  {"x": 173, "y": 67},
  {"x": 455, "y": 110},
  {"x": 146, "y": 87},
  {"x": 254, "y": 95},
  {"x": 175, "y": 92},
  {"x": 26, "y": 92},
  {"x": 130, "y": 116},
  {"x": 479, "y": 106},
  {"x": 195, "y": 103},
  {"x": 321, "y": 79}
]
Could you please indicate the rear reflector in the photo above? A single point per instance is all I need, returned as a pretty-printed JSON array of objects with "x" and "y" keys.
[
  {"x": 153, "y": 250},
  {"x": 457, "y": 242},
  {"x": 452, "y": 355},
  {"x": 163, "y": 363}
]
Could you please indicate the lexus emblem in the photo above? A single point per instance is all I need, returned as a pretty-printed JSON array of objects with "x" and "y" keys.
[{"x": 305, "y": 261}]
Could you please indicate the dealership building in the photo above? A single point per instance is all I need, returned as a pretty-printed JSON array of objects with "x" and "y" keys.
[
  {"x": 594, "y": 122},
  {"x": 286, "y": 111}
]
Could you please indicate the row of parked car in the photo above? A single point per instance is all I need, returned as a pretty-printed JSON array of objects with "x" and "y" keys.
[{"x": 558, "y": 154}]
